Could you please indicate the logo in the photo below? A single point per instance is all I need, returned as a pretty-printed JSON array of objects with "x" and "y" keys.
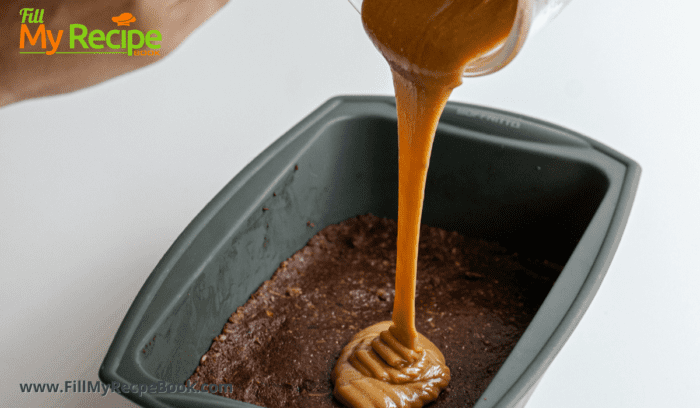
[
  {"x": 124, "y": 19},
  {"x": 82, "y": 40}
]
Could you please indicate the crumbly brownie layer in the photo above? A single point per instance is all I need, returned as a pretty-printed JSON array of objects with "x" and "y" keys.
[{"x": 474, "y": 300}]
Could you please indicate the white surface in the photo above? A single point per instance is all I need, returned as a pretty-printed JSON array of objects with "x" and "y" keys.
[{"x": 96, "y": 185}]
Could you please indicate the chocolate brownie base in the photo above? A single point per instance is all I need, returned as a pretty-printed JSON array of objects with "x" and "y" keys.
[{"x": 474, "y": 300}]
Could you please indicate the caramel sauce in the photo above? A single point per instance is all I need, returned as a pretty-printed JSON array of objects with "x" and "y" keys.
[
  {"x": 427, "y": 44},
  {"x": 375, "y": 366}
]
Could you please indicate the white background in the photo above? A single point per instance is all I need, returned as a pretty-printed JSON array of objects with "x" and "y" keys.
[{"x": 96, "y": 185}]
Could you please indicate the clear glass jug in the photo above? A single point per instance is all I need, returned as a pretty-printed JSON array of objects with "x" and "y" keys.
[{"x": 530, "y": 17}]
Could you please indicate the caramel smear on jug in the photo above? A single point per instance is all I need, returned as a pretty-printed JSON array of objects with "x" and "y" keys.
[{"x": 427, "y": 44}]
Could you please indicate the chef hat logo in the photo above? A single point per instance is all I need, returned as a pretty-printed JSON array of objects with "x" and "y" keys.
[{"x": 124, "y": 19}]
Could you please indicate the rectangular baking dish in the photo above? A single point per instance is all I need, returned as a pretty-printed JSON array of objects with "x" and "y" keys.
[{"x": 537, "y": 188}]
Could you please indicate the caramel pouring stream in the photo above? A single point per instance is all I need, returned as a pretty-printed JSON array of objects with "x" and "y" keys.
[{"x": 427, "y": 44}]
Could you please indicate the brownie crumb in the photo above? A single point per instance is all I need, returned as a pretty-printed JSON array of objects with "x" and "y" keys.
[
  {"x": 474, "y": 300},
  {"x": 293, "y": 292}
]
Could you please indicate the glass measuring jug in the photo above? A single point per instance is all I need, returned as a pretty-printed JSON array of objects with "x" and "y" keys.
[{"x": 531, "y": 16}]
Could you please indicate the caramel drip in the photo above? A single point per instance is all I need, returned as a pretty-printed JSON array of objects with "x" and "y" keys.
[
  {"x": 419, "y": 109},
  {"x": 427, "y": 44},
  {"x": 390, "y": 364}
]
